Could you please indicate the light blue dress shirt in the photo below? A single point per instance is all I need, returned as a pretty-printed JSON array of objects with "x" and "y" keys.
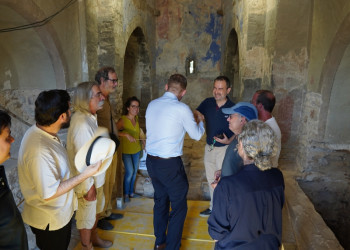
[{"x": 167, "y": 121}]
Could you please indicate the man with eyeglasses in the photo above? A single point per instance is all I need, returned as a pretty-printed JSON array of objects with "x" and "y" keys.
[
  {"x": 216, "y": 128},
  {"x": 107, "y": 79},
  {"x": 238, "y": 116}
]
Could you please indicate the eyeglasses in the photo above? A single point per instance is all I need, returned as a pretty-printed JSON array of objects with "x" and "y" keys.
[{"x": 113, "y": 80}]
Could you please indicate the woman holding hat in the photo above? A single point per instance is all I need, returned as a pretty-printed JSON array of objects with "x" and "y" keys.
[
  {"x": 131, "y": 137},
  {"x": 247, "y": 206}
]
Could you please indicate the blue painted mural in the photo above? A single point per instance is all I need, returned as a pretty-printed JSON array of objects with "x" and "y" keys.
[{"x": 214, "y": 28}]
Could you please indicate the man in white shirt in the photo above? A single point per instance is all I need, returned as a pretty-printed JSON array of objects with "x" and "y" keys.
[
  {"x": 264, "y": 101},
  {"x": 44, "y": 173},
  {"x": 86, "y": 101},
  {"x": 167, "y": 121}
]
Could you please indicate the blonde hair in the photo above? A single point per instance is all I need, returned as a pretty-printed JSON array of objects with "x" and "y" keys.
[
  {"x": 259, "y": 143},
  {"x": 82, "y": 96}
]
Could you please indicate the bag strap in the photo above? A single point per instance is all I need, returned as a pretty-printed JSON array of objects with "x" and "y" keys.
[{"x": 110, "y": 112}]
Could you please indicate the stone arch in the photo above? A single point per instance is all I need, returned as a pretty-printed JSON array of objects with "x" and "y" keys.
[
  {"x": 231, "y": 64},
  {"x": 46, "y": 42},
  {"x": 137, "y": 75},
  {"x": 330, "y": 68}
]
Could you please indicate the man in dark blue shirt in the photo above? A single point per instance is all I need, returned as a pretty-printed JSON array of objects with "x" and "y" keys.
[{"x": 216, "y": 127}]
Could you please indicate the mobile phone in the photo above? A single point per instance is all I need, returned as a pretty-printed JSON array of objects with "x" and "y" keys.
[{"x": 220, "y": 136}]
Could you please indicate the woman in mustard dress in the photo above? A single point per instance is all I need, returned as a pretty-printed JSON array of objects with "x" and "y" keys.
[{"x": 129, "y": 132}]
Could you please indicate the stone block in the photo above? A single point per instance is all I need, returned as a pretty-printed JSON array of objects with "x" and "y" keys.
[
  {"x": 194, "y": 191},
  {"x": 196, "y": 173}
]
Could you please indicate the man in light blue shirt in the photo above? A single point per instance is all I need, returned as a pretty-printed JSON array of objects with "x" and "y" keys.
[{"x": 167, "y": 121}]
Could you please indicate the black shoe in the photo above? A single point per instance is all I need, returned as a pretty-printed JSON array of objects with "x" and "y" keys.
[
  {"x": 161, "y": 246},
  {"x": 114, "y": 216},
  {"x": 104, "y": 224},
  {"x": 205, "y": 213}
]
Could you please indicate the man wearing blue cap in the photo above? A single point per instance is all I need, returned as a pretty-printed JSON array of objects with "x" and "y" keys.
[{"x": 239, "y": 115}]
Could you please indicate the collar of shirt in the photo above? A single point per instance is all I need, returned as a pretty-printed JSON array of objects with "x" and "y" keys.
[
  {"x": 53, "y": 137},
  {"x": 170, "y": 95}
]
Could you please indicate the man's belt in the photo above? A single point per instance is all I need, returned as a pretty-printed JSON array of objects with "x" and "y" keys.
[{"x": 160, "y": 158}]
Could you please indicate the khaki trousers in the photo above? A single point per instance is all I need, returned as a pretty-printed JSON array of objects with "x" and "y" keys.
[
  {"x": 108, "y": 187},
  {"x": 213, "y": 161}
]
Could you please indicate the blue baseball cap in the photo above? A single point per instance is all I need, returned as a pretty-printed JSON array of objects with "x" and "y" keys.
[{"x": 245, "y": 109}]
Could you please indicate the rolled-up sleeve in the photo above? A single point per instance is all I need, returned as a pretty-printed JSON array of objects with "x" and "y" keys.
[{"x": 194, "y": 130}]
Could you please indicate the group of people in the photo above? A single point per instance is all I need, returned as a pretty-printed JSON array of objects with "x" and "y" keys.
[
  {"x": 57, "y": 179},
  {"x": 240, "y": 158}
]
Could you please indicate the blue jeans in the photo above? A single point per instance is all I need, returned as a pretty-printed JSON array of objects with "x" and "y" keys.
[{"x": 131, "y": 164}]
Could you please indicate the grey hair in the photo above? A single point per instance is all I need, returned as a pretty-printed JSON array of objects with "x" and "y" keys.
[
  {"x": 259, "y": 143},
  {"x": 82, "y": 96}
]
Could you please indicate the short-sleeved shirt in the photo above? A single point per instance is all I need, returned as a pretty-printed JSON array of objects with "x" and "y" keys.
[
  {"x": 127, "y": 146},
  {"x": 232, "y": 163},
  {"x": 42, "y": 165},
  {"x": 215, "y": 120},
  {"x": 273, "y": 124},
  {"x": 81, "y": 130},
  {"x": 247, "y": 210}
]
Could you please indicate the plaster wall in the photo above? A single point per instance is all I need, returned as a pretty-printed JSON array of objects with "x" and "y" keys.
[
  {"x": 326, "y": 19},
  {"x": 338, "y": 120},
  {"x": 289, "y": 69},
  {"x": 24, "y": 56},
  {"x": 55, "y": 47}
]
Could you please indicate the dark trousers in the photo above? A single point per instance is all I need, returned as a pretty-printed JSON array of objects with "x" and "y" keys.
[
  {"x": 170, "y": 187},
  {"x": 53, "y": 240}
]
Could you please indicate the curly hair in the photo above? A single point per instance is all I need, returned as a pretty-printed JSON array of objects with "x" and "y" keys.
[
  {"x": 259, "y": 143},
  {"x": 103, "y": 72},
  {"x": 127, "y": 104}
]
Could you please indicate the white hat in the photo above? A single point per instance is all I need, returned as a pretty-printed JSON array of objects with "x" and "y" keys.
[{"x": 99, "y": 148}]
